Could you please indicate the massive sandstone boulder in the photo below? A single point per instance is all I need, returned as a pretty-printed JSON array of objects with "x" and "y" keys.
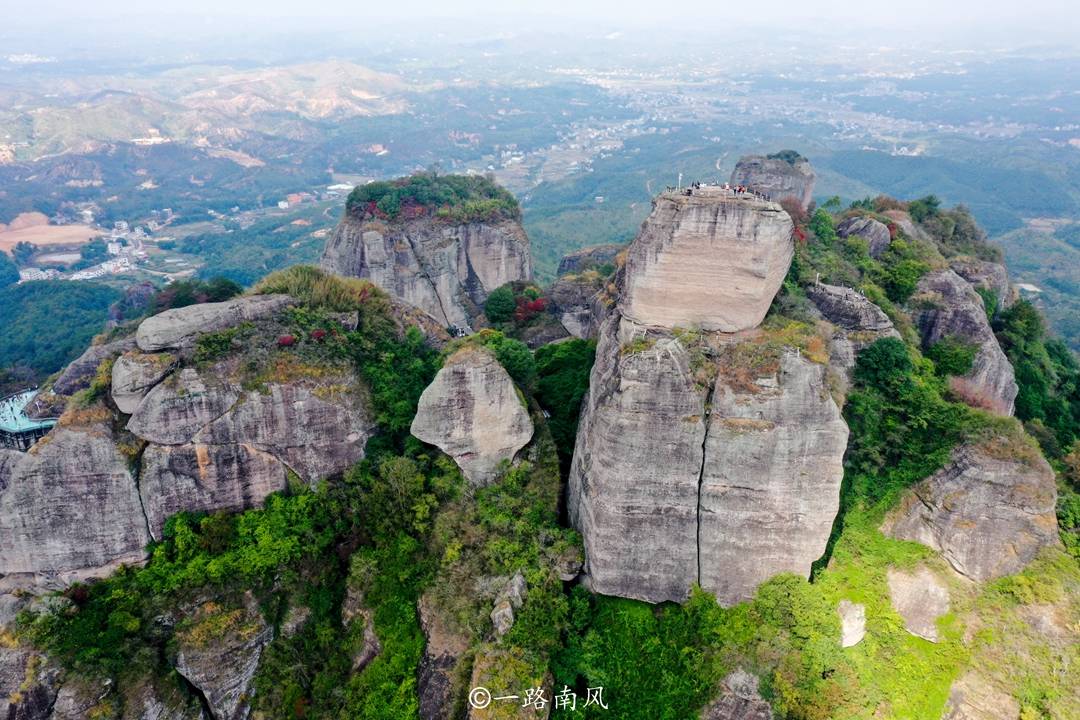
[
  {"x": 987, "y": 513},
  {"x": 948, "y": 307},
  {"x": 919, "y": 597},
  {"x": 134, "y": 374},
  {"x": 784, "y": 175},
  {"x": 473, "y": 412},
  {"x": 69, "y": 508},
  {"x": 986, "y": 275},
  {"x": 707, "y": 260},
  {"x": 179, "y": 327},
  {"x": 675, "y": 482},
  {"x": 770, "y": 483},
  {"x": 445, "y": 268},
  {"x": 876, "y": 234},
  {"x": 573, "y": 299}
]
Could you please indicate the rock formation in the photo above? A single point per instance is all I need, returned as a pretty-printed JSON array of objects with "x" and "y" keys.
[
  {"x": 134, "y": 374},
  {"x": 876, "y": 234},
  {"x": 218, "y": 652},
  {"x": 948, "y": 307},
  {"x": 179, "y": 327},
  {"x": 987, "y": 513},
  {"x": 573, "y": 299},
  {"x": 509, "y": 600},
  {"x": 857, "y": 323},
  {"x": 973, "y": 698},
  {"x": 78, "y": 374},
  {"x": 786, "y": 174},
  {"x": 989, "y": 276},
  {"x": 707, "y": 260},
  {"x": 589, "y": 258},
  {"x": 920, "y": 598},
  {"x": 437, "y": 683},
  {"x": 445, "y": 268},
  {"x": 70, "y": 507},
  {"x": 472, "y": 411},
  {"x": 852, "y": 623},
  {"x": 739, "y": 699}
]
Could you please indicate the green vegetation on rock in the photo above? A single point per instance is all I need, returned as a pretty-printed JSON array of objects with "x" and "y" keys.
[{"x": 460, "y": 198}]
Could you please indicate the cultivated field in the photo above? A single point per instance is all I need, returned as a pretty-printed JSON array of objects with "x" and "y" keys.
[{"x": 45, "y": 235}]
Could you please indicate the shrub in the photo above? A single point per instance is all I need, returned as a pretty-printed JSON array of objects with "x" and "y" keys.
[
  {"x": 500, "y": 305},
  {"x": 952, "y": 356}
]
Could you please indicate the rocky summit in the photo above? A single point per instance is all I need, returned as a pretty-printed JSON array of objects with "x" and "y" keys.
[
  {"x": 785, "y": 174},
  {"x": 707, "y": 258}
]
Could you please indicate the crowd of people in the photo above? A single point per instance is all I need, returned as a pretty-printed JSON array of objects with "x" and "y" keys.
[{"x": 735, "y": 190}]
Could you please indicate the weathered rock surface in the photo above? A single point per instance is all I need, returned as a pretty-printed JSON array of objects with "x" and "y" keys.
[
  {"x": 573, "y": 300},
  {"x": 739, "y": 699},
  {"x": 70, "y": 508},
  {"x": 28, "y": 684},
  {"x": 182, "y": 405},
  {"x": 988, "y": 515},
  {"x": 150, "y": 701},
  {"x": 852, "y": 623},
  {"x": 948, "y": 307},
  {"x": 708, "y": 260},
  {"x": 987, "y": 275},
  {"x": 436, "y": 681},
  {"x": 776, "y": 177},
  {"x": 444, "y": 268},
  {"x": 79, "y": 372},
  {"x": 633, "y": 491},
  {"x": 78, "y": 699},
  {"x": 499, "y": 667},
  {"x": 473, "y": 413},
  {"x": 666, "y": 496},
  {"x": 134, "y": 374},
  {"x": 589, "y": 258},
  {"x": 179, "y": 327},
  {"x": 206, "y": 478},
  {"x": 908, "y": 226},
  {"x": 219, "y": 652},
  {"x": 858, "y": 323},
  {"x": 920, "y": 598},
  {"x": 770, "y": 483},
  {"x": 973, "y": 698},
  {"x": 510, "y": 599},
  {"x": 354, "y": 610},
  {"x": 875, "y": 234}
]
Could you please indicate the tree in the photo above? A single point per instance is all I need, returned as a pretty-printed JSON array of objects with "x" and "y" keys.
[
  {"x": 924, "y": 208},
  {"x": 23, "y": 251},
  {"x": 9, "y": 273},
  {"x": 500, "y": 305}
]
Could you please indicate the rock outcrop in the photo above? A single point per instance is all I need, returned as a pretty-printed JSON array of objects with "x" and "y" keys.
[
  {"x": 857, "y": 323},
  {"x": 674, "y": 483},
  {"x": 445, "y": 268},
  {"x": 987, "y": 513},
  {"x": 852, "y": 623},
  {"x": 770, "y": 481},
  {"x": 473, "y": 412},
  {"x": 876, "y": 234},
  {"x": 986, "y": 275},
  {"x": 920, "y": 598},
  {"x": 218, "y": 652},
  {"x": 739, "y": 699},
  {"x": 786, "y": 174},
  {"x": 573, "y": 299},
  {"x": 179, "y": 327},
  {"x": 69, "y": 508},
  {"x": 947, "y": 307},
  {"x": 589, "y": 258},
  {"x": 134, "y": 374},
  {"x": 507, "y": 602},
  {"x": 973, "y": 698},
  {"x": 707, "y": 260},
  {"x": 437, "y": 683}
]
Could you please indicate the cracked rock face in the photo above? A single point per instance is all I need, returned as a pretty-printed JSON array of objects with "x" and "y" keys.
[
  {"x": 443, "y": 268},
  {"x": 69, "y": 508},
  {"x": 858, "y": 323},
  {"x": 987, "y": 275},
  {"x": 437, "y": 680},
  {"x": 948, "y": 307},
  {"x": 588, "y": 258},
  {"x": 776, "y": 178},
  {"x": 179, "y": 327},
  {"x": 666, "y": 496},
  {"x": 472, "y": 412},
  {"x": 134, "y": 374},
  {"x": 709, "y": 261},
  {"x": 770, "y": 485},
  {"x": 988, "y": 516},
  {"x": 573, "y": 301},
  {"x": 219, "y": 651},
  {"x": 875, "y": 234},
  {"x": 920, "y": 598}
]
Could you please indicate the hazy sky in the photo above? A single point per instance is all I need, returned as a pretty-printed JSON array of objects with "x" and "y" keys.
[{"x": 1050, "y": 15}]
